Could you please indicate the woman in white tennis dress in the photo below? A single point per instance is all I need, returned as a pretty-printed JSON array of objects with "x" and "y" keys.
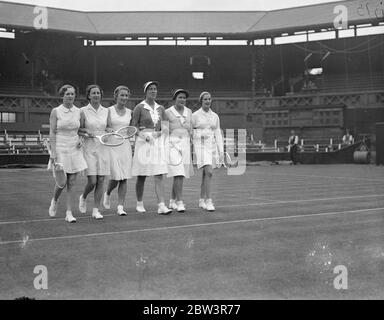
[
  {"x": 149, "y": 156},
  {"x": 180, "y": 130},
  {"x": 208, "y": 145},
  {"x": 65, "y": 146},
  {"x": 120, "y": 156},
  {"x": 94, "y": 122}
]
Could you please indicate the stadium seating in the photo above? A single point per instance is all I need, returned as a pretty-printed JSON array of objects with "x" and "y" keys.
[
  {"x": 18, "y": 88},
  {"x": 355, "y": 82},
  {"x": 305, "y": 145},
  {"x": 21, "y": 143},
  {"x": 165, "y": 93}
]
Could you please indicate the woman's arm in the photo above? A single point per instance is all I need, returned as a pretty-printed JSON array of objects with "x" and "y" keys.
[
  {"x": 83, "y": 131},
  {"x": 219, "y": 136},
  {"x": 188, "y": 125},
  {"x": 52, "y": 133},
  {"x": 109, "y": 122},
  {"x": 136, "y": 118},
  {"x": 135, "y": 122},
  {"x": 196, "y": 132},
  {"x": 164, "y": 122}
]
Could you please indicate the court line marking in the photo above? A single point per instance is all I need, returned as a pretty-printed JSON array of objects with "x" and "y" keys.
[
  {"x": 314, "y": 176},
  {"x": 208, "y": 224},
  {"x": 87, "y": 216},
  {"x": 278, "y": 182},
  {"x": 281, "y": 184},
  {"x": 226, "y": 196},
  {"x": 285, "y": 188}
]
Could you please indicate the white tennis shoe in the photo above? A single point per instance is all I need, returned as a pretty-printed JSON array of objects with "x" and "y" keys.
[
  {"x": 180, "y": 206},
  {"x": 96, "y": 214},
  {"x": 120, "y": 211},
  {"x": 172, "y": 204},
  {"x": 163, "y": 209},
  {"x": 107, "y": 201},
  {"x": 202, "y": 204},
  {"x": 82, "y": 204},
  {"x": 69, "y": 217},
  {"x": 140, "y": 207},
  {"x": 52, "y": 208},
  {"x": 209, "y": 205}
]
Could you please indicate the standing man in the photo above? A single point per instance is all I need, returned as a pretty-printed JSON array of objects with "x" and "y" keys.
[{"x": 293, "y": 142}]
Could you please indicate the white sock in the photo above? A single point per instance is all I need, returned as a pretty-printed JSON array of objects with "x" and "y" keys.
[
  {"x": 120, "y": 208},
  {"x": 95, "y": 210},
  {"x": 140, "y": 203}
]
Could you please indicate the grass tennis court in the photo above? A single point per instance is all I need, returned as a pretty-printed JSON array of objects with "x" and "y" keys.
[{"x": 277, "y": 233}]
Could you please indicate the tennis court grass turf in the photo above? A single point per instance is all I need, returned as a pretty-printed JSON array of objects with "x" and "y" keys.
[{"x": 278, "y": 232}]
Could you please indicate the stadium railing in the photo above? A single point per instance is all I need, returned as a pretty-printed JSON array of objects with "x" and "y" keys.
[{"x": 305, "y": 145}]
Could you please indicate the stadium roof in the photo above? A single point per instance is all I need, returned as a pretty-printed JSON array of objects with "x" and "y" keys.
[{"x": 242, "y": 24}]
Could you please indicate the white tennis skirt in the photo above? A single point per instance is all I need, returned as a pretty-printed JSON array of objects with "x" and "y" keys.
[
  {"x": 97, "y": 157},
  {"x": 185, "y": 168},
  {"x": 69, "y": 154},
  {"x": 149, "y": 158},
  {"x": 121, "y": 161},
  {"x": 206, "y": 152}
]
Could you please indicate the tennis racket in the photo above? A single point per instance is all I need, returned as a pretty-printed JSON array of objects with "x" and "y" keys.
[
  {"x": 228, "y": 162},
  {"x": 112, "y": 139},
  {"x": 175, "y": 155},
  {"x": 59, "y": 175},
  {"x": 127, "y": 131}
]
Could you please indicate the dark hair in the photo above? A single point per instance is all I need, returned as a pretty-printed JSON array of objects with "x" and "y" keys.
[
  {"x": 63, "y": 89},
  {"x": 118, "y": 89},
  {"x": 90, "y": 87},
  {"x": 176, "y": 92},
  {"x": 149, "y": 83}
]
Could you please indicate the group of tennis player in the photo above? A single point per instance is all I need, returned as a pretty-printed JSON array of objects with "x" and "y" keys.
[{"x": 75, "y": 146}]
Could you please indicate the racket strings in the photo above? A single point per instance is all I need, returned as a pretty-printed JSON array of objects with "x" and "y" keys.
[
  {"x": 228, "y": 162},
  {"x": 112, "y": 139},
  {"x": 59, "y": 175},
  {"x": 127, "y": 132},
  {"x": 175, "y": 155}
]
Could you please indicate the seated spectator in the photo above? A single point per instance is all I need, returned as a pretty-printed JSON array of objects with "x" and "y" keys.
[
  {"x": 312, "y": 85},
  {"x": 348, "y": 138}
]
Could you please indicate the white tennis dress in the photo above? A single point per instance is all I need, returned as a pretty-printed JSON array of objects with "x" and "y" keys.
[
  {"x": 67, "y": 140},
  {"x": 149, "y": 157},
  {"x": 207, "y": 138},
  {"x": 180, "y": 128},
  {"x": 120, "y": 156},
  {"x": 96, "y": 154}
]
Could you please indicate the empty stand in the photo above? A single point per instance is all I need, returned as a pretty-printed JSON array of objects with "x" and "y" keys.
[{"x": 354, "y": 82}]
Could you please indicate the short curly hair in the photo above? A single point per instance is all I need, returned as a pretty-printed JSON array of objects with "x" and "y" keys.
[
  {"x": 63, "y": 89},
  {"x": 90, "y": 87}
]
